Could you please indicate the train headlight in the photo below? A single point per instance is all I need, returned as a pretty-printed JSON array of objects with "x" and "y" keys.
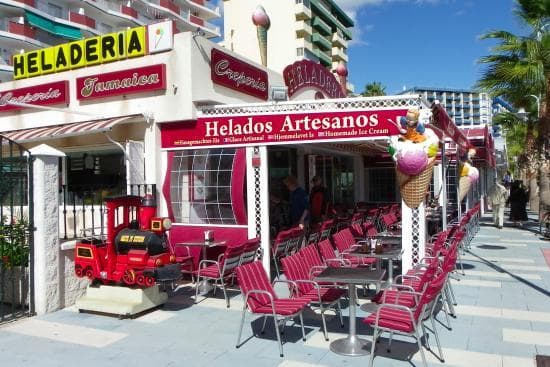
[
  {"x": 158, "y": 262},
  {"x": 166, "y": 223}
]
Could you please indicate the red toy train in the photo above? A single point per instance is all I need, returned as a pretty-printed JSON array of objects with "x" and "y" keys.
[{"x": 135, "y": 251}]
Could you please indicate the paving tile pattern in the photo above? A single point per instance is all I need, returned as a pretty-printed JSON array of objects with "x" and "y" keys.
[{"x": 503, "y": 320}]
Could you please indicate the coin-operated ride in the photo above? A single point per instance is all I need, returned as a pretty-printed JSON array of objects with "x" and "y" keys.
[{"x": 135, "y": 251}]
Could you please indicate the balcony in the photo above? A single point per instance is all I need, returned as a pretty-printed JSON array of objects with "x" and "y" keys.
[
  {"x": 303, "y": 29},
  {"x": 338, "y": 40},
  {"x": 321, "y": 42},
  {"x": 306, "y": 44},
  {"x": 126, "y": 10},
  {"x": 338, "y": 54},
  {"x": 324, "y": 58},
  {"x": 302, "y": 10},
  {"x": 26, "y": 2},
  {"x": 22, "y": 30},
  {"x": 81, "y": 19},
  {"x": 169, "y": 4},
  {"x": 321, "y": 26},
  {"x": 204, "y": 9}
]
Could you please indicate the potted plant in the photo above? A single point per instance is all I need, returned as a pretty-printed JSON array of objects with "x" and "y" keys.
[{"x": 14, "y": 261}]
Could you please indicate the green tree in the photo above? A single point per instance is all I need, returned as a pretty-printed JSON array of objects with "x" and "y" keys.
[
  {"x": 519, "y": 66},
  {"x": 374, "y": 89}
]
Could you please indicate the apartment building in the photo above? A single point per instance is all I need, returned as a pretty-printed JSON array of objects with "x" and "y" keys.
[
  {"x": 317, "y": 30},
  {"x": 466, "y": 107},
  {"x": 27, "y": 25}
]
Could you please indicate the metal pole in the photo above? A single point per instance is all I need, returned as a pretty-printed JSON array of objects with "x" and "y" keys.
[{"x": 444, "y": 188}]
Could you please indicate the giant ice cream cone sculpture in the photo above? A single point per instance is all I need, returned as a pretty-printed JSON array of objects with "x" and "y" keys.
[
  {"x": 468, "y": 175},
  {"x": 414, "y": 160},
  {"x": 342, "y": 72},
  {"x": 262, "y": 23}
]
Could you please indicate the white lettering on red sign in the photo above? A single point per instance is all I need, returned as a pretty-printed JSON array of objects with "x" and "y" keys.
[
  {"x": 240, "y": 78},
  {"x": 52, "y": 93},
  {"x": 91, "y": 85}
]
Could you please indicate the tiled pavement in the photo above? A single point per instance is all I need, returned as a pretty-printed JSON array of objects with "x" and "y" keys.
[{"x": 503, "y": 321}]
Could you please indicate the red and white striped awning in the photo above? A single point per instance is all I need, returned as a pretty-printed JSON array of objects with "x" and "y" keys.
[{"x": 66, "y": 130}]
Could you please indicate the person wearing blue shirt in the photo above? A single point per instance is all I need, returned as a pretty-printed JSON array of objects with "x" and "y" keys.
[{"x": 299, "y": 202}]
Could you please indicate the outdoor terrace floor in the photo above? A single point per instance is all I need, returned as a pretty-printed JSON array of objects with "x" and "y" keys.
[{"x": 503, "y": 321}]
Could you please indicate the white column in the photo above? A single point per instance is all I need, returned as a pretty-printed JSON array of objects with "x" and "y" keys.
[
  {"x": 45, "y": 183},
  {"x": 413, "y": 224},
  {"x": 257, "y": 187}
]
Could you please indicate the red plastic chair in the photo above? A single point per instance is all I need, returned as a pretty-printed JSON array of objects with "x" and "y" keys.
[
  {"x": 250, "y": 251},
  {"x": 318, "y": 295},
  {"x": 279, "y": 246},
  {"x": 398, "y": 319},
  {"x": 221, "y": 270},
  {"x": 260, "y": 299},
  {"x": 345, "y": 242}
]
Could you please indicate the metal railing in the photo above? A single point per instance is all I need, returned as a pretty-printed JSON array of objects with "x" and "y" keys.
[{"x": 82, "y": 210}]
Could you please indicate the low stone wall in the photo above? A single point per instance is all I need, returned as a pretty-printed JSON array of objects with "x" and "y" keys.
[{"x": 71, "y": 287}]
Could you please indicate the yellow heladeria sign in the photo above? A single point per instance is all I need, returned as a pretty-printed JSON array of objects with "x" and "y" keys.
[{"x": 77, "y": 54}]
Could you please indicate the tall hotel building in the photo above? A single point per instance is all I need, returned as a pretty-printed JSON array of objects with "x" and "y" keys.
[
  {"x": 466, "y": 107},
  {"x": 317, "y": 30},
  {"x": 27, "y": 25}
]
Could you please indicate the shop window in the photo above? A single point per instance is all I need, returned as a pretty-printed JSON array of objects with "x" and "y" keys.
[
  {"x": 200, "y": 186},
  {"x": 382, "y": 185}
]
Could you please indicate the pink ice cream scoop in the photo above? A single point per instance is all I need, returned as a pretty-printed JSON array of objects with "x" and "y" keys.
[{"x": 412, "y": 162}]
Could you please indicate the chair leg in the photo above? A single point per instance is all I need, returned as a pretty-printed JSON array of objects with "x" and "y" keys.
[
  {"x": 224, "y": 292},
  {"x": 302, "y": 325},
  {"x": 389, "y": 342},
  {"x": 444, "y": 302},
  {"x": 437, "y": 340},
  {"x": 276, "y": 267},
  {"x": 276, "y": 324},
  {"x": 375, "y": 336},
  {"x": 263, "y": 324},
  {"x": 419, "y": 342},
  {"x": 241, "y": 327},
  {"x": 339, "y": 310},
  {"x": 197, "y": 287},
  {"x": 325, "y": 332}
]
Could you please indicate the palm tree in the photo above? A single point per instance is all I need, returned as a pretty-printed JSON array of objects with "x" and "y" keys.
[
  {"x": 519, "y": 66},
  {"x": 374, "y": 89}
]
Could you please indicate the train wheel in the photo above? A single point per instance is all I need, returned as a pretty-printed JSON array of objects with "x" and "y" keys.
[
  {"x": 140, "y": 280},
  {"x": 129, "y": 277},
  {"x": 78, "y": 271},
  {"x": 149, "y": 281},
  {"x": 89, "y": 272}
]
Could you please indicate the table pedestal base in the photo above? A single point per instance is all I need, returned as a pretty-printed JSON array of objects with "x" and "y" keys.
[{"x": 351, "y": 346}]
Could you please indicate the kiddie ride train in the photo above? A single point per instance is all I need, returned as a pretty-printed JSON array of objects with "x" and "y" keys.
[{"x": 135, "y": 252}]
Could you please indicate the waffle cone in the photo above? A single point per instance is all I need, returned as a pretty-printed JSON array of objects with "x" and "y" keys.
[
  {"x": 463, "y": 187},
  {"x": 414, "y": 188},
  {"x": 261, "y": 33}
]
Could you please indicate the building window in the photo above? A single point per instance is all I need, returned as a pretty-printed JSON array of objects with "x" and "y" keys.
[
  {"x": 382, "y": 188},
  {"x": 200, "y": 186},
  {"x": 300, "y": 51},
  {"x": 55, "y": 10}
]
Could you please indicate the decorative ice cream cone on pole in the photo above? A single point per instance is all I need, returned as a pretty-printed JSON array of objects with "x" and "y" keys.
[
  {"x": 464, "y": 185},
  {"x": 342, "y": 72},
  {"x": 414, "y": 154},
  {"x": 262, "y": 23},
  {"x": 468, "y": 175}
]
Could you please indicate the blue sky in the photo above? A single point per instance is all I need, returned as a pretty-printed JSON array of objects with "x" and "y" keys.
[{"x": 431, "y": 43}]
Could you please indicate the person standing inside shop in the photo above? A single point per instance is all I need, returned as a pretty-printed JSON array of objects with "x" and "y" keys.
[
  {"x": 497, "y": 198},
  {"x": 518, "y": 202},
  {"x": 318, "y": 201},
  {"x": 299, "y": 202}
]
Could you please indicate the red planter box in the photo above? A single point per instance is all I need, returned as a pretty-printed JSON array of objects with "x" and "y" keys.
[
  {"x": 22, "y": 29},
  {"x": 128, "y": 11}
]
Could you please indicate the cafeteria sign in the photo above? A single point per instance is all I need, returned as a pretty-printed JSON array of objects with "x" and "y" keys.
[{"x": 282, "y": 129}]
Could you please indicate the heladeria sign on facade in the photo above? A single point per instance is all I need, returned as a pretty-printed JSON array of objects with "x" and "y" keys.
[
  {"x": 281, "y": 129},
  {"x": 110, "y": 47}
]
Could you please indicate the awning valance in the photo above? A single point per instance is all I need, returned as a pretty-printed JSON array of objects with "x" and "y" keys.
[
  {"x": 67, "y": 130},
  {"x": 48, "y": 25}
]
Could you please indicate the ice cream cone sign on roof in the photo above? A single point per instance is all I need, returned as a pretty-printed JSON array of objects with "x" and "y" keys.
[
  {"x": 342, "y": 72},
  {"x": 262, "y": 23}
]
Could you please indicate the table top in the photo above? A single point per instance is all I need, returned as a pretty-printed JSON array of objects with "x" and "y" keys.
[
  {"x": 350, "y": 275},
  {"x": 389, "y": 252},
  {"x": 202, "y": 243}
]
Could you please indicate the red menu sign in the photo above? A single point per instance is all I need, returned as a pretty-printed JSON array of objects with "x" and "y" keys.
[
  {"x": 309, "y": 74},
  {"x": 281, "y": 129},
  {"x": 235, "y": 74},
  {"x": 138, "y": 80},
  {"x": 42, "y": 94}
]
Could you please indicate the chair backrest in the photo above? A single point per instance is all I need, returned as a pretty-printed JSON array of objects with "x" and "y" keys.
[
  {"x": 294, "y": 269},
  {"x": 250, "y": 250},
  {"x": 343, "y": 240},
  {"x": 252, "y": 276},
  {"x": 370, "y": 228},
  {"x": 430, "y": 294},
  {"x": 231, "y": 258},
  {"x": 326, "y": 250},
  {"x": 310, "y": 256},
  {"x": 326, "y": 229},
  {"x": 279, "y": 245},
  {"x": 294, "y": 240}
]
